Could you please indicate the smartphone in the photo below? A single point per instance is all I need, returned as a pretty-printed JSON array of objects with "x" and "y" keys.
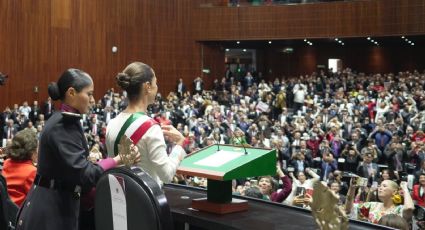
[
  {"x": 361, "y": 181},
  {"x": 301, "y": 191}
]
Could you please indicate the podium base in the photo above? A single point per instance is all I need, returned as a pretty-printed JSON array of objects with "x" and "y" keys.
[{"x": 236, "y": 205}]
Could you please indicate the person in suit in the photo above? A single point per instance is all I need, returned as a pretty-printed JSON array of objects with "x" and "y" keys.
[
  {"x": 198, "y": 85},
  {"x": 63, "y": 170},
  {"x": 108, "y": 114},
  {"x": 181, "y": 88},
  {"x": 48, "y": 108},
  {"x": 368, "y": 169},
  {"x": 35, "y": 111},
  {"x": 94, "y": 127},
  {"x": 328, "y": 166},
  {"x": 10, "y": 130}
]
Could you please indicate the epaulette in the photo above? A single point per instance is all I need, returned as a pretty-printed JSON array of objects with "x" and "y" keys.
[{"x": 68, "y": 116}]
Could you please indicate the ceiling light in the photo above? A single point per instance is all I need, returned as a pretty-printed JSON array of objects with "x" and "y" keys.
[
  {"x": 244, "y": 50},
  {"x": 336, "y": 39},
  {"x": 227, "y": 50},
  {"x": 270, "y": 42},
  {"x": 368, "y": 38},
  {"x": 238, "y": 42},
  {"x": 412, "y": 44},
  {"x": 402, "y": 37},
  {"x": 310, "y": 43}
]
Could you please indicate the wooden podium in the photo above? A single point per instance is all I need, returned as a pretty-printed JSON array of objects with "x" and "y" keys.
[{"x": 220, "y": 165}]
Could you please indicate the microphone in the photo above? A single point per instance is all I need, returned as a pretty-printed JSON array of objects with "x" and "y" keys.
[
  {"x": 227, "y": 127},
  {"x": 218, "y": 142}
]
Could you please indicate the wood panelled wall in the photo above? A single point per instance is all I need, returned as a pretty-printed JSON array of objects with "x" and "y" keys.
[
  {"x": 40, "y": 39},
  {"x": 320, "y": 20}
]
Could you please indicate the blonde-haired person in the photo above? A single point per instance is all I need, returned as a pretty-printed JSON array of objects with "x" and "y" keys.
[
  {"x": 19, "y": 170},
  {"x": 140, "y": 83},
  {"x": 391, "y": 202}
]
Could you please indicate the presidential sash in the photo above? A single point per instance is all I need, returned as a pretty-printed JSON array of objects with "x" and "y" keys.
[{"x": 134, "y": 127}]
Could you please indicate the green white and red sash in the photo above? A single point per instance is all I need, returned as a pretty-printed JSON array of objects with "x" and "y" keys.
[{"x": 134, "y": 127}]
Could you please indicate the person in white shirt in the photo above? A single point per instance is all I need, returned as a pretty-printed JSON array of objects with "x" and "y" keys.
[{"x": 140, "y": 83}]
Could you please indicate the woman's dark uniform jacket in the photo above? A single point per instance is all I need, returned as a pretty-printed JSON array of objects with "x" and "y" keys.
[{"x": 63, "y": 163}]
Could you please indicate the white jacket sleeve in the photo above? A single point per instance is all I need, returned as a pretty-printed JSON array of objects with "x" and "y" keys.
[{"x": 154, "y": 148}]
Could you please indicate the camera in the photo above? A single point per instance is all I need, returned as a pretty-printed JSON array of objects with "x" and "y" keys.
[{"x": 3, "y": 78}]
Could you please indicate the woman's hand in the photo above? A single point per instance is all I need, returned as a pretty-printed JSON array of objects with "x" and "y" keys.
[
  {"x": 298, "y": 200},
  {"x": 308, "y": 199},
  {"x": 173, "y": 134},
  {"x": 135, "y": 154},
  {"x": 403, "y": 185}
]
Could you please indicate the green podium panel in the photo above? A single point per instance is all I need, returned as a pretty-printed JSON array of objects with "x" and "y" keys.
[
  {"x": 220, "y": 165},
  {"x": 230, "y": 162}
]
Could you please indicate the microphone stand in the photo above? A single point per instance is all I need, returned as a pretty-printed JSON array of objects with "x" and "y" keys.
[{"x": 218, "y": 142}]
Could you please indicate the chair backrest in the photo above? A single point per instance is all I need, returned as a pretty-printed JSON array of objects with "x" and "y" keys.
[
  {"x": 8, "y": 209},
  {"x": 145, "y": 206}
]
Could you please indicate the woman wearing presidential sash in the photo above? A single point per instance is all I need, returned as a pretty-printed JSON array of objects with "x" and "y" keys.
[
  {"x": 140, "y": 83},
  {"x": 64, "y": 173}
]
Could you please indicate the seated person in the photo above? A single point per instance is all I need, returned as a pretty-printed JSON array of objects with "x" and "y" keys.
[{"x": 19, "y": 169}]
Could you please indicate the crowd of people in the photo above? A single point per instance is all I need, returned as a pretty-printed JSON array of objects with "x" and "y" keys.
[{"x": 326, "y": 126}]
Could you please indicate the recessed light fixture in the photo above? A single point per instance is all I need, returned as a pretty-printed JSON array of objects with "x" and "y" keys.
[
  {"x": 270, "y": 42},
  {"x": 238, "y": 42},
  {"x": 408, "y": 41},
  {"x": 336, "y": 39},
  {"x": 227, "y": 50},
  {"x": 373, "y": 41},
  {"x": 308, "y": 42},
  {"x": 244, "y": 50}
]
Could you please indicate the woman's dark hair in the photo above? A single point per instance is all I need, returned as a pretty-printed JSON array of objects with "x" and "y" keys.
[
  {"x": 394, "y": 221},
  {"x": 133, "y": 77},
  {"x": 23, "y": 145},
  {"x": 74, "y": 78},
  {"x": 254, "y": 192}
]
